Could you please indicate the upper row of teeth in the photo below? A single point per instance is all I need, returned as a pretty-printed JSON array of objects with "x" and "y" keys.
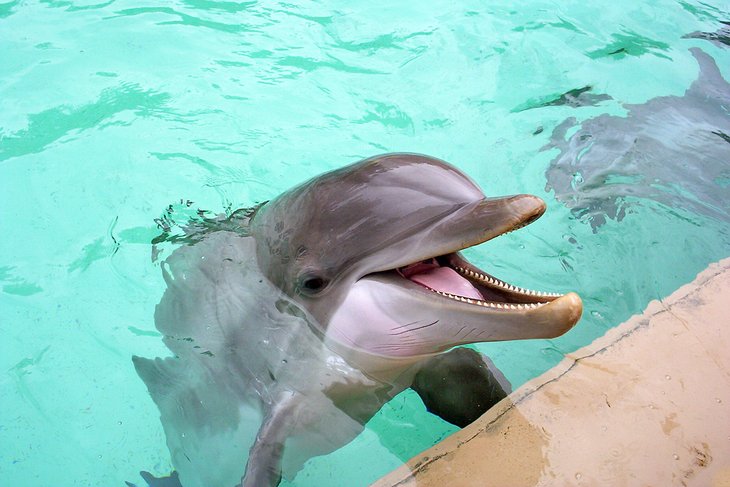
[
  {"x": 490, "y": 304},
  {"x": 504, "y": 285}
]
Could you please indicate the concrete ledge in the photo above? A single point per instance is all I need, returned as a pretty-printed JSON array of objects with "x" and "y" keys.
[{"x": 646, "y": 404}]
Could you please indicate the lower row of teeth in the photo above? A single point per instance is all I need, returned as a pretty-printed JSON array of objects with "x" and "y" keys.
[
  {"x": 490, "y": 304},
  {"x": 504, "y": 285}
]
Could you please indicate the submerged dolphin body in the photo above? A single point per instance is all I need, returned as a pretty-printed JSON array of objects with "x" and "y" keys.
[
  {"x": 672, "y": 149},
  {"x": 721, "y": 37},
  {"x": 292, "y": 325}
]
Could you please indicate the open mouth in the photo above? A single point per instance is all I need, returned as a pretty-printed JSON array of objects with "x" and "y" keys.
[
  {"x": 450, "y": 282},
  {"x": 455, "y": 278},
  {"x": 428, "y": 297},
  {"x": 451, "y": 276}
]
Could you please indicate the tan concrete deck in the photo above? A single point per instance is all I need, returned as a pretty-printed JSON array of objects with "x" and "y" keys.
[{"x": 646, "y": 404}]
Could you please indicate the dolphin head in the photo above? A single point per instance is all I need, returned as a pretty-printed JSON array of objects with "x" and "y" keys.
[{"x": 372, "y": 252}]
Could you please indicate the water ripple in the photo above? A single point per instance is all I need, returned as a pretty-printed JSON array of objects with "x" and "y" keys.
[
  {"x": 50, "y": 125},
  {"x": 185, "y": 19},
  {"x": 6, "y": 9}
]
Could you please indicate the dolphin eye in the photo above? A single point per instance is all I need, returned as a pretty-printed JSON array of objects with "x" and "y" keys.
[{"x": 313, "y": 284}]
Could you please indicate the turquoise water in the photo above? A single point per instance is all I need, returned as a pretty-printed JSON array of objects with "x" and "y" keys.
[{"x": 111, "y": 112}]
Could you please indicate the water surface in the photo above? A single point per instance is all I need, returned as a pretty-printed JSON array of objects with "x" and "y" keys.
[{"x": 111, "y": 112}]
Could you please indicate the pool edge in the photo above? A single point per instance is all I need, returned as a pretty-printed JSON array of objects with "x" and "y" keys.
[{"x": 649, "y": 401}]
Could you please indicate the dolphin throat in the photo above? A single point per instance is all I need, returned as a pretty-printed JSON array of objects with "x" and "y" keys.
[{"x": 432, "y": 275}]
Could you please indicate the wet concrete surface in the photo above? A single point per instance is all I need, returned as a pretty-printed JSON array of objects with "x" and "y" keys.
[{"x": 646, "y": 404}]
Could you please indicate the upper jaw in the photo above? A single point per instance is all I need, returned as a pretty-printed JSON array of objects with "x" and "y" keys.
[
  {"x": 488, "y": 219},
  {"x": 471, "y": 224}
]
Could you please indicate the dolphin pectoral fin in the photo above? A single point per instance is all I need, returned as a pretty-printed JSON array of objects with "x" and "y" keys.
[
  {"x": 264, "y": 459},
  {"x": 159, "y": 375},
  {"x": 172, "y": 480},
  {"x": 208, "y": 428},
  {"x": 168, "y": 380},
  {"x": 460, "y": 385}
]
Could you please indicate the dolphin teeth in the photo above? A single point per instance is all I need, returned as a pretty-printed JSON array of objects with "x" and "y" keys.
[
  {"x": 487, "y": 279},
  {"x": 496, "y": 282}
]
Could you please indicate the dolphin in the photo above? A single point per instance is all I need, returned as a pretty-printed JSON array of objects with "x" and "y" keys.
[
  {"x": 172, "y": 480},
  {"x": 292, "y": 323},
  {"x": 721, "y": 37},
  {"x": 673, "y": 150},
  {"x": 575, "y": 98}
]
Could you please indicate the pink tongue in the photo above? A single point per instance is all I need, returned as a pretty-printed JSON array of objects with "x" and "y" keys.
[{"x": 446, "y": 280}]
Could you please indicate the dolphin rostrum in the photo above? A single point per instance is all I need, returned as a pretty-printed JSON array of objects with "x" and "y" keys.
[{"x": 293, "y": 323}]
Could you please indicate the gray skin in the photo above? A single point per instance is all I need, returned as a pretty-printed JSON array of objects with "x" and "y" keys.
[
  {"x": 576, "y": 98},
  {"x": 672, "y": 149},
  {"x": 460, "y": 385},
  {"x": 721, "y": 37},
  {"x": 291, "y": 326}
]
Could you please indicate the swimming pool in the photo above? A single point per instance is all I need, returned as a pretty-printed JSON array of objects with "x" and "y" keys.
[{"x": 114, "y": 111}]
